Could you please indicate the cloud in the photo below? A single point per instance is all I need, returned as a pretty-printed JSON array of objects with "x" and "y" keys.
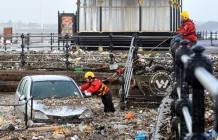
[
  {"x": 200, "y": 10},
  {"x": 30, "y": 10}
]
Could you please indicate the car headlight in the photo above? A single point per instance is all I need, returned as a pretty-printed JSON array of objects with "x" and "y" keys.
[
  {"x": 39, "y": 115},
  {"x": 86, "y": 114}
]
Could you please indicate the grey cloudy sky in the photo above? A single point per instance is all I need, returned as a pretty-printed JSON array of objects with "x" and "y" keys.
[
  {"x": 30, "y": 10},
  {"x": 201, "y": 10}
]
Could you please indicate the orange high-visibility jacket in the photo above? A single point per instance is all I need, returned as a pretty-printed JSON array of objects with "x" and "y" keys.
[
  {"x": 188, "y": 30},
  {"x": 96, "y": 86}
]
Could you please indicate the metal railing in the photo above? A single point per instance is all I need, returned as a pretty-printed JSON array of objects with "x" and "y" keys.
[
  {"x": 192, "y": 70},
  {"x": 206, "y": 35},
  {"x": 54, "y": 40},
  {"x": 25, "y": 115},
  {"x": 27, "y": 42}
]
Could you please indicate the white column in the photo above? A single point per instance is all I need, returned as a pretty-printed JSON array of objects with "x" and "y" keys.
[
  {"x": 110, "y": 15},
  {"x": 85, "y": 14},
  {"x": 94, "y": 15}
]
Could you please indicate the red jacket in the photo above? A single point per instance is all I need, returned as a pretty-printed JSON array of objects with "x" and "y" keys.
[
  {"x": 95, "y": 87},
  {"x": 188, "y": 30}
]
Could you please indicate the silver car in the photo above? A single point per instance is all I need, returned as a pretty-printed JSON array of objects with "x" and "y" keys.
[{"x": 51, "y": 98}]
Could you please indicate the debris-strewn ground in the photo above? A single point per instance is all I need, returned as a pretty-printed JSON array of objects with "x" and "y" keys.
[
  {"x": 56, "y": 59},
  {"x": 104, "y": 125},
  {"x": 154, "y": 123},
  {"x": 112, "y": 126}
]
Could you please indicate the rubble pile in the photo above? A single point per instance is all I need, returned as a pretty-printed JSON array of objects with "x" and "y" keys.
[
  {"x": 63, "y": 101},
  {"x": 88, "y": 60},
  {"x": 97, "y": 61},
  {"x": 131, "y": 123},
  {"x": 153, "y": 123},
  {"x": 115, "y": 125}
]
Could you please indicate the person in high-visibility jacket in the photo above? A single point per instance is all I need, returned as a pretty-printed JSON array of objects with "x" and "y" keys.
[
  {"x": 96, "y": 86},
  {"x": 187, "y": 29}
]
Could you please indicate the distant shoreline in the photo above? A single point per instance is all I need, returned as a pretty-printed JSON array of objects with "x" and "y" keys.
[{"x": 35, "y": 30}]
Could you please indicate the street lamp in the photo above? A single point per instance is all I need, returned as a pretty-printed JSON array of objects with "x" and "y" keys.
[{"x": 42, "y": 14}]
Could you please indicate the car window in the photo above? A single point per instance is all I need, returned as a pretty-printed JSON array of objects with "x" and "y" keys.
[
  {"x": 56, "y": 89},
  {"x": 21, "y": 85},
  {"x": 25, "y": 88}
]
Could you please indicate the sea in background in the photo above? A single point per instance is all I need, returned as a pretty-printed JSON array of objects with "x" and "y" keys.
[{"x": 35, "y": 30}]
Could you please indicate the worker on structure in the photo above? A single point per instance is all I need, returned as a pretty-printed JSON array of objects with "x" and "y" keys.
[
  {"x": 96, "y": 86},
  {"x": 187, "y": 29}
]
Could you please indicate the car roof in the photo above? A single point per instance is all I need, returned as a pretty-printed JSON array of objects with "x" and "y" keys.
[{"x": 35, "y": 78}]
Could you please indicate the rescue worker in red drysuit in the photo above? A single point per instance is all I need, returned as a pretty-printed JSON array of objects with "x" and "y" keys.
[
  {"x": 95, "y": 86},
  {"x": 187, "y": 29}
]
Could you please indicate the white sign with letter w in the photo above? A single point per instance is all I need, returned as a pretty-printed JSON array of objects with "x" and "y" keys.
[{"x": 162, "y": 83}]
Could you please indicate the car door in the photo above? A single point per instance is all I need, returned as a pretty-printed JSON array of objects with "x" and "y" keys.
[
  {"x": 23, "y": 89},
  {"x": 26, "y": 92}
]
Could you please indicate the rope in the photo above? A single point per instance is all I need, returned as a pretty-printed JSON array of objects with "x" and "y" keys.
[
  {"x": 158, "y": 45},
  {"x": 111, "y": 77}
]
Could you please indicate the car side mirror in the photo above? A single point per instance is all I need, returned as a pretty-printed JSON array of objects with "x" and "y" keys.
[{"x": 22, "y": 97}]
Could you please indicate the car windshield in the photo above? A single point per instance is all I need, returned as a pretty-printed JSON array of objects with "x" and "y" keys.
[{"x": 54, "y": 89}]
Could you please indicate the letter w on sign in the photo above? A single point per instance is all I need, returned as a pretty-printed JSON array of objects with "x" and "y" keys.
[{"x": 162, "y": 83}]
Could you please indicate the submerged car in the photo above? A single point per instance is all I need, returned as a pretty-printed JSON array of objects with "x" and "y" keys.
[{"x": 51, "y": 98}]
